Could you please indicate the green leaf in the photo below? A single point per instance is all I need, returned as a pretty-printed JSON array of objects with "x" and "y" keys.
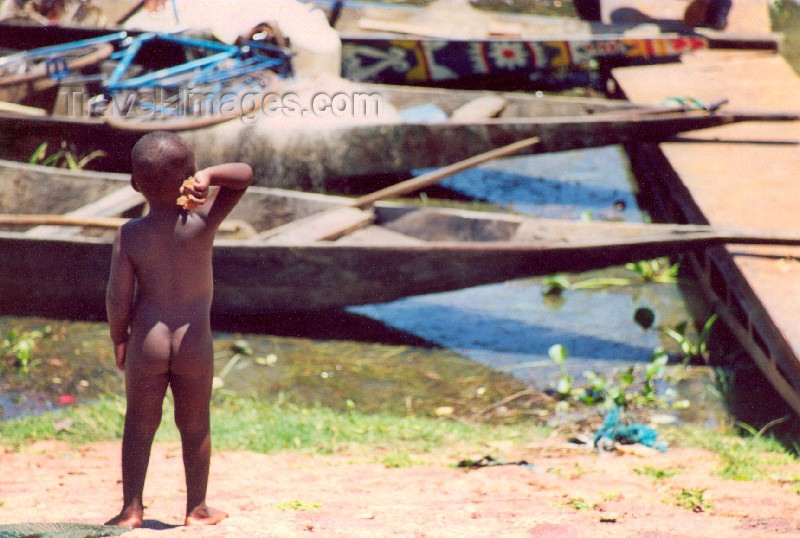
[
  {"x": 97, "y": 154},
  {"x": 564, "y": 385},
  {"x": 655, "y": 368},
  {"x": 675, "y": 335},
  {"x": 558, "y": 353},
  {"x": 38, "y": 153},
  {"x": 661, "y": 360},
  {"x": 626, "y": 377},
  {"x": 52, "y": 159},
  {"x": 555, "y": 284},
  {"x": 706, "y": 333},
  {"x": 72, "y": 164},
  {"x": 600, "y": 282}
]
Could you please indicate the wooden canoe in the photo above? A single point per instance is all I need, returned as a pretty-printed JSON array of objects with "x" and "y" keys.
[
  {"x": 290, "y": 148},
  {"x": 463, "y": 47},
  {"x": 48, "y": 270}
]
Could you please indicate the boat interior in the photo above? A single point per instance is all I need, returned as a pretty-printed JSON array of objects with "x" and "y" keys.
[{"x": 97, "y": 199}]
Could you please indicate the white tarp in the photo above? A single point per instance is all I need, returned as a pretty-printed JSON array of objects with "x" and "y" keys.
[{"x": 316, "y": 45}]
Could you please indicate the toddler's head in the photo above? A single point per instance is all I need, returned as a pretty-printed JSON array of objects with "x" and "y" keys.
[{"x": 161, "y": 162}]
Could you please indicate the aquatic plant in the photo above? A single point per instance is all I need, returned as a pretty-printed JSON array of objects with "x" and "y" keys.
[
  {"x": 652, "y": 372},
  {"x": 555, "y": 284},
  {"x": 622, "y": 389},
  {"x": 692, "y": 349},
  {"x": 558, "y": 354},
  {"x": 18, "y": 347},
  {"x": 63, "y": 158},
  {"x": 658, "y": 270},
  {"x": 558, "y": 283}
]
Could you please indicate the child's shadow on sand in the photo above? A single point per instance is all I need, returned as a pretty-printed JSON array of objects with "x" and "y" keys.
[{"x": 156, "y": 525}]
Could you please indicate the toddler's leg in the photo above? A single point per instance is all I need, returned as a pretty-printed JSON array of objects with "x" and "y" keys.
[
  {"x": 191, "y": 388},
  {"x": 145, "y": 394}
]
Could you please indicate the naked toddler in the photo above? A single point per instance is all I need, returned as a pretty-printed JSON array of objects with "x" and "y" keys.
[{"x": 158, "y": 303}]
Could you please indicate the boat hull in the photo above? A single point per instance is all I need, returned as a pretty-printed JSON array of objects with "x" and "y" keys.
[
  {"x": 500, "y": 63},
  {"x": 408, "y": 251},
  {"x": 346, "y": 156},
  {"x": 69, "y": 276}
]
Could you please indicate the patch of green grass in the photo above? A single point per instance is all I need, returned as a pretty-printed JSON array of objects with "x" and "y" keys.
[
  {"x": 579, "y": 504},
  {"x": 264, "y": 426},
  {"x": 611, "y": 496},
  {"x": 296, "y": 504},
  {"x": 578, "y": 471},
  {"x": 654, "y": 472},
  {"x": 101, "y": 421},
  {"x": 741, "y": 458},
  {"x": 785, "y": 16},
  {"x": 692, "y": 499},
  {"x": 396, "y": 460}
]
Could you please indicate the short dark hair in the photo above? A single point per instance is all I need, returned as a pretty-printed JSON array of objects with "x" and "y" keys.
[{"x": 160, "y": 162}]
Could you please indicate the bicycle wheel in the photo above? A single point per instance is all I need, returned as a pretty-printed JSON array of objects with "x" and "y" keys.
[
  {"x": 29, "y": 66},
  {"x": 179, "y": 109}
]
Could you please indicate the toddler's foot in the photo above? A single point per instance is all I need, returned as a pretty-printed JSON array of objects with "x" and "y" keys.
[
  {"x": 127, "y": 518},
  {"x": 205, "y": 515}
]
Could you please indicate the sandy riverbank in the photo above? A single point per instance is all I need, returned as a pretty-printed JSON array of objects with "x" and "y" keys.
[{"x": 569, "y": 491}]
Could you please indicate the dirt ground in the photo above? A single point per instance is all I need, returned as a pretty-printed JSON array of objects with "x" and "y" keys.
[{"x": 567, "y": 491}]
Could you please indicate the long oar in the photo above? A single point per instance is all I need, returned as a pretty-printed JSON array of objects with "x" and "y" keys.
[
  {"x": 229, "y": 226},
  {"x": 334, "y": 223}
]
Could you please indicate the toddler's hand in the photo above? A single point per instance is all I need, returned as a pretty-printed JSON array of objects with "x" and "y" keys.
[
  {"x": 194, "y": 191},
  {"x": 119, "y": 354}
]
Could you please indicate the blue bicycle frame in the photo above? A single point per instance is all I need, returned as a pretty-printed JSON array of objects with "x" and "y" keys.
[{"x": 239, "y": 61}]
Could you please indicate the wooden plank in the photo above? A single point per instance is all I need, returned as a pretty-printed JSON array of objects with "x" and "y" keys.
[
  {"x": 111, "y": 205},
  {"x": 378, "y": 235},
  {"x": 25, "y": 110},
  {"x": 335, "y": 223},
  {"x": 240, "y": 227},
  {"x": 324, "y": 226},
  {"x": 481, "y": 108},
  {"x": 399, "y": 27},
  {"x": 741, "y": 175}
]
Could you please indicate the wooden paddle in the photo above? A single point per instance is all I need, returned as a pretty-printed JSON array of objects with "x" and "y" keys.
[
  {"x": 229, "y": 226},
  {"x": 22, "y": 109},
  {"x": 334, "y": 223}
]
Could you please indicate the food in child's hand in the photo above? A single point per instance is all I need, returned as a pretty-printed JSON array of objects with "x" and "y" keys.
[{"x": 184, "y": 201}]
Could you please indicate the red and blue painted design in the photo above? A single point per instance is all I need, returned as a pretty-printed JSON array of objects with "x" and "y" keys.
[{"x": 434, "y": 61}]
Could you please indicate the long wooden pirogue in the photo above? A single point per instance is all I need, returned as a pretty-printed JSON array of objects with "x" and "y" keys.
[
  {"x": 316, "y": 153},
  {"x": 407, "y": 250}
]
